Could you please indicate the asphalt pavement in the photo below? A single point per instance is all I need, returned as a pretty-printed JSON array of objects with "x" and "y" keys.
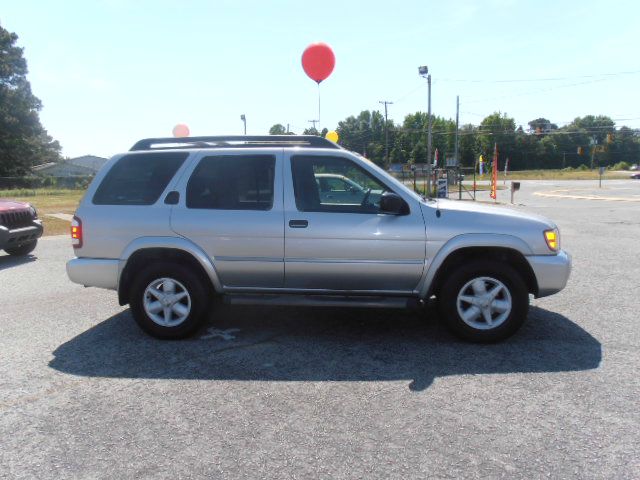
[{"x": 314, "y": 393}]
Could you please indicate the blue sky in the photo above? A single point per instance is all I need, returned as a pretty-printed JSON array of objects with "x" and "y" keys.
[{"x": 110, "y": 72}]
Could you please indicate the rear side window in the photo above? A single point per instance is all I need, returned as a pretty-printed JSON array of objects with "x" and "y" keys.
[
  {"x": 138, "y": 179},
  {"x": 232, "y": 182}
]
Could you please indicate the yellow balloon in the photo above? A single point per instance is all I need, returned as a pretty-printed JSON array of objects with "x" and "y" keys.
[{"x": 332, "y": 135}]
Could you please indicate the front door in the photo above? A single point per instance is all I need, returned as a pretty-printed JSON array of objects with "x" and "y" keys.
[{"x": 335, "y": 236}]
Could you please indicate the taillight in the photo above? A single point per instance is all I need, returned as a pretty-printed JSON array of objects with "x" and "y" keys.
[{"x": 76, "y": 232}]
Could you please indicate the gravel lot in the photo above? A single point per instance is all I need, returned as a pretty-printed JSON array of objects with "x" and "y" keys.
[{"x": 302, "y": 393}]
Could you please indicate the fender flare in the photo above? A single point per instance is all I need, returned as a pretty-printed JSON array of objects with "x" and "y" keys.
[
  {"x": 176, "y": 243},
  {"x": 467, "y": 240}
]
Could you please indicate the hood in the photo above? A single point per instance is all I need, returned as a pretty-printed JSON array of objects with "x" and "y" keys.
[
  {"x": 11, "y": 206},
  {"x": 493, "y": 211},
  {"x": 461, "y": 217}
]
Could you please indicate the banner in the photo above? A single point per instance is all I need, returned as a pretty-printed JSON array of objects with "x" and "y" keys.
[
  {"x": 494, "y": 173},
  {"x": 481, "y": 166}
]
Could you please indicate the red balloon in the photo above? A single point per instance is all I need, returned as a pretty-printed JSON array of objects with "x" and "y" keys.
[{"x": 318, "y": 61}]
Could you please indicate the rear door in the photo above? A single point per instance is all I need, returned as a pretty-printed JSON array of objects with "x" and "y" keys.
[
  {"x": 231, "y": 205},
  {"x": 344, "y": 243}
]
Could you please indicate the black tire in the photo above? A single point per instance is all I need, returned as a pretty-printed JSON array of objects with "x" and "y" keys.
[
  {"x": 193, "y": 284},
  {"x": 21, "y": 250},
  {"x": 488, "y": 273}
]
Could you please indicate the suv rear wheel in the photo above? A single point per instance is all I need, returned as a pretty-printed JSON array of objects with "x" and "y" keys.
[
  {"x": 168, "y": 301},
  {"x": 484, "y": 301}
]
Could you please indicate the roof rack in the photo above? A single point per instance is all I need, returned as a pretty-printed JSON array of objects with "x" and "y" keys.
[{"x": 240, "y": 141}]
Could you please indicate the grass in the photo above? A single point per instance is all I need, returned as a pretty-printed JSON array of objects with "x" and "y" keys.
[
  {"x": 47, "y": 200},
  {"x": 558, "y": 175}
]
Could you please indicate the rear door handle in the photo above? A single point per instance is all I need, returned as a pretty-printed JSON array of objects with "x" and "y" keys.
[{"x": 298, "y": 223}]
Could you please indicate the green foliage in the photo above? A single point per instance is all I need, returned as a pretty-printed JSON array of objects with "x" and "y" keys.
[
  {"x": 543, "y": 145},
  {"x": 23, "y": 140},
  {"x": 582, "y": 168},
  {"x": 541, "y": 126},
  {"x": 620, "y": 166},
  {"x": 365, "y": 134},
  {"x": 34, "y": 182},
  {"x": 277, "y": 129}
]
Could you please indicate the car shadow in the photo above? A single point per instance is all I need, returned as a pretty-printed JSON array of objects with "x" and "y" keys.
[
  {"x": 295, "y": 344},
  {"x": 9, "y": 261}
]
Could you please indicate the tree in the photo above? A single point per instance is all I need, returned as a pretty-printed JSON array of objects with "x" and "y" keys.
[
  {"x": 278, "y": 129},
  {"x": 469, "y": 148},
  {"x": 365, "y": 134},
  {"x": 498, "y": 129},
  {"x": 541, "y": 126},
  {"x": 23, "y": 140}
]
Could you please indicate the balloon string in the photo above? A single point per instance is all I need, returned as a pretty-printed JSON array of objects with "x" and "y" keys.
[{"x": 319, "y": 129}]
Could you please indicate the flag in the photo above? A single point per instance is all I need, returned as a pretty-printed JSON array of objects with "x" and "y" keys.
[
  {"x": 481, "y": 166},
  {"x": 435, "y": 159},
  {"x": 494, "y": 173},
  {"x": 506, "y": 166}
]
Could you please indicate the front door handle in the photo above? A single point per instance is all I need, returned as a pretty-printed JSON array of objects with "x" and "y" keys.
[{"x": 298, "y": 223}]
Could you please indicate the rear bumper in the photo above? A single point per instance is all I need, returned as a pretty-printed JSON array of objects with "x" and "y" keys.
[
  {"x": 94, "y": 272},
  {"x": 19, "y": 236},
  {"x": 551, "y": 271}
]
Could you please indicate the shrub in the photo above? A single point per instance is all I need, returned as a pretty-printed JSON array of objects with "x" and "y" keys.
[{"x": 620, "y": 166}]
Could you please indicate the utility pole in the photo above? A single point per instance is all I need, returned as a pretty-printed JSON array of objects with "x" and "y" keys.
[
  {"x": 314, "y": 124},
  {"x": 386, "y": 133}
]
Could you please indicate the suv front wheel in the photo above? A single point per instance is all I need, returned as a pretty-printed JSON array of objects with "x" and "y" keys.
[
  {"x": 168, "y": 301},
  {"x": 484, "y": 301},
  {"x": 21, "y": 250}
]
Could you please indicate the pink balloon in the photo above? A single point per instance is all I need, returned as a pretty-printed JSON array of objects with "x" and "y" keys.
[{"x": 180, "y": 130}]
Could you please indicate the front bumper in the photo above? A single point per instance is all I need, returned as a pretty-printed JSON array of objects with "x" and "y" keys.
[
  {"x": 551, "y": 271},
  {"x": 94, "y": 272},
  {"x": 20, "y": 236}
]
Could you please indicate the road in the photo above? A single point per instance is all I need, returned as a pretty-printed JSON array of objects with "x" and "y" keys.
[{"x": 302, "y": 393}]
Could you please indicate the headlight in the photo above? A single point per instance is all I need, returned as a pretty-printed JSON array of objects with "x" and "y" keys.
[
  {"x": 552, "y": 237},
  {"x": 34, "y": 212}
]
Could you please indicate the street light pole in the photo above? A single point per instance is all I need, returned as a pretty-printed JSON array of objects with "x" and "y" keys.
[
  {"x": 424, "y": 73},
  {"x": 244, "y": 120}
]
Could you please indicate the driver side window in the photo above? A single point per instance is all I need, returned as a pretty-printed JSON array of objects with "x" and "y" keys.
[{"x": 334, "y": 184}]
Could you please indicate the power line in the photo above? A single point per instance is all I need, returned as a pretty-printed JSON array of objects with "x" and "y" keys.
[
  {"x": 549, "y": 79},
  {"x": 522, "y": 94}
]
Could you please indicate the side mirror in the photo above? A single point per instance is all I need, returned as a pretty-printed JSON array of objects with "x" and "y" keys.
[{"x": 393, "y": 204}]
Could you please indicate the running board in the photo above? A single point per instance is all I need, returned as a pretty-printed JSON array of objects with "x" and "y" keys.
[{"x": 300, "y": 300}]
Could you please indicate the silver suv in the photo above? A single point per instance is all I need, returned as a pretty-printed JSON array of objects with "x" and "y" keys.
[{"x": 174, "y": 222}]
